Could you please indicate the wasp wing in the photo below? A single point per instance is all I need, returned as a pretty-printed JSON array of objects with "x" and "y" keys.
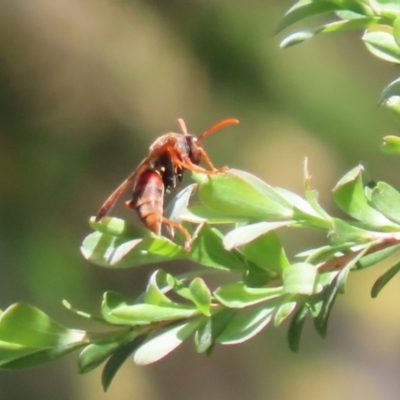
[{"x": 128, "y": 182}]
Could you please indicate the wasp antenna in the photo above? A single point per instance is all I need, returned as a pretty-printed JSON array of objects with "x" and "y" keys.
[
  {"x": 216, "y": 127},
  {"x": 182, "y": 125}
]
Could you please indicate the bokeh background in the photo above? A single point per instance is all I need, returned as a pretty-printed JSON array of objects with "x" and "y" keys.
[{"x": 87, "y": 85}]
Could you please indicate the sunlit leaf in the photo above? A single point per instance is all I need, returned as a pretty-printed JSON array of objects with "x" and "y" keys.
[
  {"x": 237, "y": 194},
  {"x": 26, "y": 325},
  {"x": 350, "y": 196},
  {"x": 309, "y": 9},
  {"x": 211, "y": 328},
  {"x": 142, "y": 314},
  {"x": 303, "y": 210},
  {"x": 199, "y": 213},
  {"x": 342, "y": 233},
  {"x": 386, "y": 7},
  {"x": 163, "y": 342},
  {"x": 247, "y": 324},
  {"x": 200, "y": 295},
  {"x": 386, "y": 199},
  {"x": 267, "y": 252},
  {"x": 248, "y": 233},
  {"x": 154, "y": 294},
  {"x": 237, "y": 295},
  {"x": 300, "y": 278},
  {"x": 282, "y": 312},
  {"x": 337, "y": 26},
  {"x": 381, "y": 43},
  {"x": 208, "y": 249},
  {"x": 180, "y": 202},
  {"x": 114, "y": 251},
  {"x": 391, "y": 144}
]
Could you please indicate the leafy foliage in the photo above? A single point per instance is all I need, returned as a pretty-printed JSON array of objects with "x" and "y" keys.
[{"x": 265, "y": 287}]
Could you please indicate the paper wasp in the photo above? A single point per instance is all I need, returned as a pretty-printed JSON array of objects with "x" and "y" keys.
[{"x": 162, "y": 170}]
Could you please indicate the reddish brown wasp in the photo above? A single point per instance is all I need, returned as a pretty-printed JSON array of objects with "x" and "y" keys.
[{"x": 162, "y": 170}]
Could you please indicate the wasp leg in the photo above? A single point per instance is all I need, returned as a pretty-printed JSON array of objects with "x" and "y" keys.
[
  {"x": 177, "y": 225},
  {"x": 182, "y": 160},
  {"x": 207, "y": 160}
]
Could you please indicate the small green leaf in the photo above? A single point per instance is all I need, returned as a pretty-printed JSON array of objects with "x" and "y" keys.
[
  {"x": 211, "y": 328},
  {"x": 248, "y": 233},
  {"x": 350, "y": 196},
  {"x": 296, "y": 328},
  {"x": 337, "y": 26},
  {"x": 26, "y": 325},
  {"x": 118, "y": 227},
  {"x": 207, "y": 249},
  {"x": 142, "y": 314},
  {"x": 386, "y": 200},
  {"x": 154, "y": 295},
  {"x": 200, "y": 295},
  {"x": 10, "y": 352},
  {"x": 297, "y": 38},
  {"x": 303, "y": 210},
  {"x": 376, "y": 257},
  {"x": 314, "y": 304},
  {"x": 237, "y": 295},
  {"x": 257, "y": 277},
  {"x": 247, "y": 324},
  {"x": 391, "y": 90},
  {"x": 386, "y": 7},
  {"x": 107, "y": 250},
  {"x": 236, "y": 194},
  {"x": 384, "y": 279},
  {"x": 117, "y": 359},
  {"x": 283, "y": 311},
  {"x": 203, "y": 337},
  {"x": 31, "y": 357},
  {"x": 343, "y": 233},
  {"x": 321, "y": 254},
  {"x": 165, "y": 341},
  {"x": 300, "y": 278},
  {"x": 343, "y": 274},
  {"x": 381, "y": 43},
  {"x": 199, "y": 213},
  {"x": 69, "y": 307},
  {"x": 180, "y": 202},
  {"x": 302, "y": 11},
  {"x": 111, "y": 301},
  {"x": 391, "y": 144},
  {"x": 267, "y": 252},
  {"x": 95, "y": 354},
  {"x": 329, "y": 296},
  {"x": 116, "y": 310}
]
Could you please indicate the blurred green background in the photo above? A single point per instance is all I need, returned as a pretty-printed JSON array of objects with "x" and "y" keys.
[{"x": 87, "y": 85}]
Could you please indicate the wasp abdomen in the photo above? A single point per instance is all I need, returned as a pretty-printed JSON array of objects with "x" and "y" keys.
[{"x": 147, "y": 200}]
